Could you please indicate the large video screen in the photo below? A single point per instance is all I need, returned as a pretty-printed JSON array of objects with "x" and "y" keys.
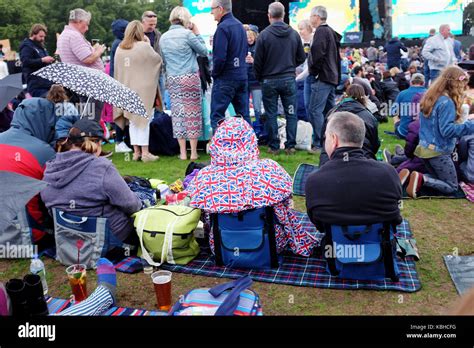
[
  {"x": 415, "y": 18},
  {"x": 343, "y": 15}
]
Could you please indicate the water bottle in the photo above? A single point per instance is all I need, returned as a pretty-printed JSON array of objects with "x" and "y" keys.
[
  {"x": 379, "y": 155},
  {"x": 37, "y": 267}
]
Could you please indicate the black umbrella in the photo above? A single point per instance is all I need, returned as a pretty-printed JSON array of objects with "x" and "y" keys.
[
  {"x": 10, "y": 87},
  {"x": 94, "y": 84}
]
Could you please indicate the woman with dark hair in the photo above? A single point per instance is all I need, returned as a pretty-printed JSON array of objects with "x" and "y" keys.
[{"x": 355, "y": 101}]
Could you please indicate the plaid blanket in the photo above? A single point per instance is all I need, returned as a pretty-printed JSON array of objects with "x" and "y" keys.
[
  {"x": 426, "y": 193},
  {"x": 468, "y": 190},
  {"x": 56, "y": 305},
  {"x": 308, "y": 272},
  {"x": 300, "y": 178}
]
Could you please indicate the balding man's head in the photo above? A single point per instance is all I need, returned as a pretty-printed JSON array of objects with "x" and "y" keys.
[{"x": 445, "y": 30}]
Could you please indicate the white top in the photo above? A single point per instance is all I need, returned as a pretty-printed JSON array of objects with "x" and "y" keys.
[{"x": 3, "y": 69}]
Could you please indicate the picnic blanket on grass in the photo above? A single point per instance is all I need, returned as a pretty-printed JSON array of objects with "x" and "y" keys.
[
  {"x": 307, "y": 272},
  {"x": 461, "y": 270},
  {"x": 56, "y": 305},
  {"x": 301, "y": 176},
  {"x": 428, "y": 193}
]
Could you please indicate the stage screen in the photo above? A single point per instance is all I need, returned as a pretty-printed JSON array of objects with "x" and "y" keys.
[
  {"x": 343, "y": 15},
  {"x": 415, "y": 18},
  {"x": 201, "y": 12}
]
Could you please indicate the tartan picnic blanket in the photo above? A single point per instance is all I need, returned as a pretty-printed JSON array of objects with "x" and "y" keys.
[
  {"x": 468, "y": 190},
  {"x": 308, "y": 272},
  {"x": 57, "y": 305},
  {"x": 301, "y": 176}
]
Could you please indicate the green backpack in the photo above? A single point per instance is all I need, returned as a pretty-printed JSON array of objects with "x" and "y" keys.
[{"x": 166, "y": 234}]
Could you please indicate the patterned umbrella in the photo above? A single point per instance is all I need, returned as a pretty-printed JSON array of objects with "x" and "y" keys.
[{"x": 94, "y": 84}]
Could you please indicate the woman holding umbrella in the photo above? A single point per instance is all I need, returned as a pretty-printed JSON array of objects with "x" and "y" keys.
[{"x": 139, "y": 70}]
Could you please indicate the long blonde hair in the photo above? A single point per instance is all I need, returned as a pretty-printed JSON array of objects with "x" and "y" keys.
[
  {"x": 133, "y": 33},
  {"x": 452, "y": 82}
]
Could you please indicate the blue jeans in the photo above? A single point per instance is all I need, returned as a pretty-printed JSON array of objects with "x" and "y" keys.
[
  {"x": 257, "y": 103},
  {"x": 426, "y": 72},
  {"x": 434, "y": 75},
  {"x": 307, "y": 94},
  {"x": 323, "y": 99},
  {"x": 225, "y": 92},
  {"x": 285, "y": 88},
  {"x": 442, "y": 174}
]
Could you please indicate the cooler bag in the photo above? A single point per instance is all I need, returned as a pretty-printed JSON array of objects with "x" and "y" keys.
[
  {"x": 95, "y": 233},
  {"x": 366, "y": 252},
  {"x": 232, "y": 298},
  {"x": 166, "y": 234},
  {"x": 245, "y": 239}
]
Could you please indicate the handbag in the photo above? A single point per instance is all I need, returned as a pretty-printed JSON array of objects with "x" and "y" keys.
[{"x": 166, "y": 234}]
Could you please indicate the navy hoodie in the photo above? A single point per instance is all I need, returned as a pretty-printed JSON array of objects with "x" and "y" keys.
[
  {"x": 31, "y": 53},
  {"x": 118, "y": 29},
  {"x": 279, "y": 51},
  {"x": 229, "y": 50}
]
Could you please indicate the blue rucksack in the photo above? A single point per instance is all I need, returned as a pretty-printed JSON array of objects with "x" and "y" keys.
[
  {"x": 245, "y": 239},
  {"x": 366, "y": 252}
]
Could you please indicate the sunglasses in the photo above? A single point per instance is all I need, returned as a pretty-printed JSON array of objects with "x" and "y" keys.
[{"x": 150, "y": 16}]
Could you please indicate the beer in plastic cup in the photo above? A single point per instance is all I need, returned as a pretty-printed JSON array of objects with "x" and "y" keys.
[
  {"x": 162, "y": 283},
  {"x": 77, "y": 276}
]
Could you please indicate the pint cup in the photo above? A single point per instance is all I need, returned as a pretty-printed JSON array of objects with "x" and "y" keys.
[
  {"x": 162, "y": 283},
  {"x": 78, "y": 280}
]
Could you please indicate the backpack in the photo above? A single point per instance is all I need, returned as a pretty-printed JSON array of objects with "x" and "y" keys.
[
  {"x": 245, "y": 239},
  {"x": 366, "y": 252},
  {"x": 161, "y": 136},
  {"x": 232, "y": 298}
]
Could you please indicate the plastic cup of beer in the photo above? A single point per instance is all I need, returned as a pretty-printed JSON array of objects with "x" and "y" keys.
[
  {"x": 162, "y": 283},
  {"x": 77, "y": 275}
]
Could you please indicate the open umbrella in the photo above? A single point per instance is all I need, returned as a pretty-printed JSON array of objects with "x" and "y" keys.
[
  {"x": 10, "y": 87},
  {"x": 94, "y": 84}
]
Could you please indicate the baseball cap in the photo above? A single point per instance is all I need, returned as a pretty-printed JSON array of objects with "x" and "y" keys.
[{"x": 87, "y": 128}]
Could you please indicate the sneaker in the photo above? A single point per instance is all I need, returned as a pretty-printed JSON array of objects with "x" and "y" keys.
[
  {"x": 273, "y": 152},
  {"x": 291, "y": 151},
  {"x": 387, "y": 156},
  {"x": 399, "y": 150},
  {"x": 403, "y": 175},
  {"x": 106, "y": 154},
  {"x": 416, "y": 181},
  {"x": 122, "y": 148},
  {"x": 314, "y": 151},
  {"x": 149, "y": 158}
]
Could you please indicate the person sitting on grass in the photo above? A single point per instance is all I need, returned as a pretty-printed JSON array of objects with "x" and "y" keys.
[
  {"x": 83, "y": 184},
  {"x": 351, "y": 189},
  {"x": 440, "y": 127},
  {"x": 355, "y": 102}
]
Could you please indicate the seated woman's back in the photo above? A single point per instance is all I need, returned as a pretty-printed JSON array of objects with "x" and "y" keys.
[{"x": 83, "y": 184}]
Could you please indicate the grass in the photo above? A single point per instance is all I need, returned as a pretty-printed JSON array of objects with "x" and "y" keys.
[{"x": 440, "y": 226}]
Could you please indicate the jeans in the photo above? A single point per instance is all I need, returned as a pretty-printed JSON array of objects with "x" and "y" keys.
[
  {"x": 434, "y": 75},
  {"x": 323, "y": 99},
  {"x": 272, "y": 89},
  {"x": 307, "y": 95},
  {"x": 426, "y": 72},
  {"x": 443, "y": 176},
  {"x": 225, "y": 92},
  {"x": 257, "y": 103}
]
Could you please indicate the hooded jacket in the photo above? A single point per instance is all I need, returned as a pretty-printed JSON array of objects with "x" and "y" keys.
[
  {"x": 31, "y": 53},
  {"x": 25, "y": 148},
  {"x": 278, "y": 52},
  {"x": 439, "y": 52},
  {"x": 324, "y": 62},
  {"x": 371, "y": 141},
  {"x": 95, "y": 187},
  {"x": 118, "y": 29}
]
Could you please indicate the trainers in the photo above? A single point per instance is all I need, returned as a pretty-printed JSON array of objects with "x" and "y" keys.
[
  {"x": 314, "y": 151},
  {"x": 403, "y": 175},
  {"x": 416, "y": 181},
  {"x": 399, "y": 150},
  {"x": 122, "y": 148},
  {"x": 149, "y": 158},
  {"x": 273, "y": 152},
  {"x": 291, "y": 151},
  {"x": 387, "y": 156}
]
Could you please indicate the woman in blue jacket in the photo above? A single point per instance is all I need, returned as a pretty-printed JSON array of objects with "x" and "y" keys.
[{"x": 440, "y": 127}]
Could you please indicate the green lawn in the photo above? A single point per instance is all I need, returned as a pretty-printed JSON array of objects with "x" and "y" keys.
[{"x": 440, "y": 226}]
